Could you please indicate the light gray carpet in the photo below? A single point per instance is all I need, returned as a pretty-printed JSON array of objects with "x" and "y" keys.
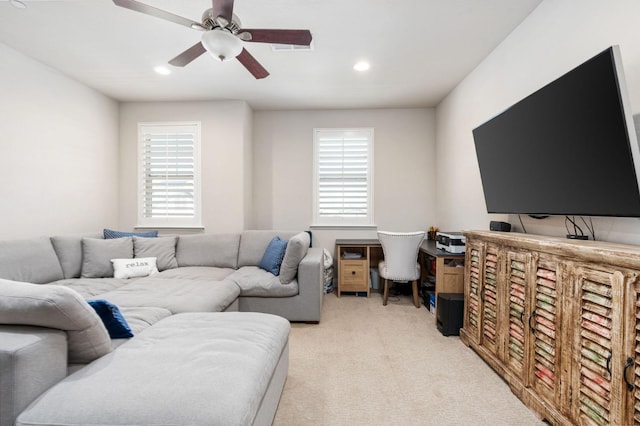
[{"x": 368, "y": 364}]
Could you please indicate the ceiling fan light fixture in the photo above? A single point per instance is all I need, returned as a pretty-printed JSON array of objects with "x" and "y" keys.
[
  {"x": 221, "y": 44},
  {"x": 222, "y": 21},
  {"x": 197, "y": 26}
]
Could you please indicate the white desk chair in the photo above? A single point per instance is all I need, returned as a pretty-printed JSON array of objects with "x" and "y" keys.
[{"x": 400, "y": 262}]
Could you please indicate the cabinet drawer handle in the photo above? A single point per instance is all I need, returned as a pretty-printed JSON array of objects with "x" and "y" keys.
[
  {"x": 624, "y": 373},
  {"x": 353, "y": 272},
  {"x": 609, "y": 363},
  {"x": 533, "y": 314}
]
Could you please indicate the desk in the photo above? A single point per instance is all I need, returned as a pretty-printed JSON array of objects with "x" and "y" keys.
[{"x": 437, "y": 266}]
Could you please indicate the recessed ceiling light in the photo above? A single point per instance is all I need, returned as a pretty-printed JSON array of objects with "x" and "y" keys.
[
  {"x": 162, "y": 70},
  {"x": 362, "y": 66},
  {"x": 17, "y": 3}
]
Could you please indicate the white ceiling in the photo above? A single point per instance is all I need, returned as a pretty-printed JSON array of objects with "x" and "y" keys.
[{"x": 418, "y": 49}]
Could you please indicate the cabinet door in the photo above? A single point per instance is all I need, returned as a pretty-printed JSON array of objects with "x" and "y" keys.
[
  {"x": 544, "y": 329},
  {"x": 518, "y": 277},
  {"x": 489, "y": 296},
  {"x": 632, "y": 338},
  {"x": 473, "y": 278},
  {"x": 598, "y": 390},
  {"x": 449, "y": 275}
]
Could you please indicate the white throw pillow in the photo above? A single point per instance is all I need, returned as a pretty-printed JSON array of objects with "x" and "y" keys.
[{"x": 131, "y": 268}]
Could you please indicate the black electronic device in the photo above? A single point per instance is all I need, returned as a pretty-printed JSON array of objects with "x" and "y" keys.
[
  {"x": 570, "y": 148},
  {"x": 496, "y": 225},
  {"x": 450, "y": 313}
]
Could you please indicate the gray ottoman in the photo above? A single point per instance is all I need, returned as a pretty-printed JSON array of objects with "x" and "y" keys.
[{"x": 225, "y": 368}]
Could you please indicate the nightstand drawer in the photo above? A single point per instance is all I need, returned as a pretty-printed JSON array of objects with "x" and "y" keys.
[{"x": 354, "y": 272}]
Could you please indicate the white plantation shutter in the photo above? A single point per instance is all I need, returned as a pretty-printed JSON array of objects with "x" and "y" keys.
[
  {"x": 169, "y": 174},
  {"x": 343, "y": 178}
]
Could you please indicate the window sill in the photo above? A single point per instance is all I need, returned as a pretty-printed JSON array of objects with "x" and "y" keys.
[
  {"x": 165, "y": 227},
  {"x": 336, "y": 226}
]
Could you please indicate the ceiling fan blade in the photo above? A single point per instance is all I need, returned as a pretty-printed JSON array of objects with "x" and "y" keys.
[
  {"x": 158, "y": 13},
  {"x": 298, "y": 37},
  {"x": 188, "y": 55},
  {"x": 223, "y": 9},
  {"x": 251, "y": 64}
]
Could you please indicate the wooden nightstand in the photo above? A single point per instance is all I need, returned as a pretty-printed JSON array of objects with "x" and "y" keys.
[{"x": 355, "y": 257}]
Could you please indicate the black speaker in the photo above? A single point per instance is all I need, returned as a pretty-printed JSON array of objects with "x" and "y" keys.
[
  {"x": 450, "y": 313},
  {"x": 495, "y": 225}
]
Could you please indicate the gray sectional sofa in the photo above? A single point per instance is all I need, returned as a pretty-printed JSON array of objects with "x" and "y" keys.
[{"x": 210, "y": 329}]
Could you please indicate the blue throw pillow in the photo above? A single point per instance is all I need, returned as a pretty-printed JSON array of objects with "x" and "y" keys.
[
  {"x": 110, "y": 233},
  {"x": 112, "y": 319},
  {"x": 273, "y": 255}
]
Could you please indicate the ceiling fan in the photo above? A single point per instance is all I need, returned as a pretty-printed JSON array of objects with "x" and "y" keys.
[{"x": 223, "y": 35}]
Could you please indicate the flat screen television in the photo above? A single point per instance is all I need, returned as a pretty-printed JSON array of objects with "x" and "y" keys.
[{"x": 570, "y": 148}]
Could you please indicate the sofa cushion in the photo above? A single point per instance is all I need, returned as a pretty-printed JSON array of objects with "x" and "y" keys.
[
  {"x": 176, "y": 295},
  {"x": 110, "y": 233},
  {"x": 253, "y": 243},
  {"x": 69, "y": 251},
  {"x": 56, "y": 307},
  {"x": 162, "y": 248},
  {"x": 297, "y": 248},
  {"x": 197, "y": 369},
  {"x": 97, "y": 254},
  {"x": 33, "y": 260},
  {"x": 91, "y": 287},
  {"x": 219, "y": 250},
  {"x": 133, "y": 268},
  {"x": 256, "y": 282},
  {"x": 141, "y": 317},
  {"x": 112, "y": 318},
  {"x": 197, "y": 273},
  {"x": 273, "y": 255}
]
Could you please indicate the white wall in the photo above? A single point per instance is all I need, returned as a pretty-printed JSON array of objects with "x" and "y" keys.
[
  {"x": 248, "y": 167},
  {"x": 404, "y": 169},
  {"x": 556, "y": 37},
  {"x": 59, "y": 152},
  {"x": 225, "y": 151}
]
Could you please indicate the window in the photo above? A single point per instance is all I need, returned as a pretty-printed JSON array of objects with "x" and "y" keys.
[
  {"x": 169, "y": 175},
  {"x": 343, "y": 182}
]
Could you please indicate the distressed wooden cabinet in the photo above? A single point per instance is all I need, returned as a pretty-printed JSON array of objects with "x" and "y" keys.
[{"x": 559, "y": 320}]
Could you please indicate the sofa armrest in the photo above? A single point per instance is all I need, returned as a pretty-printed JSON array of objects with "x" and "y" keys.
[
  {"x": 310, "y": 275},
  {"x": 32, "y": 359}
]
